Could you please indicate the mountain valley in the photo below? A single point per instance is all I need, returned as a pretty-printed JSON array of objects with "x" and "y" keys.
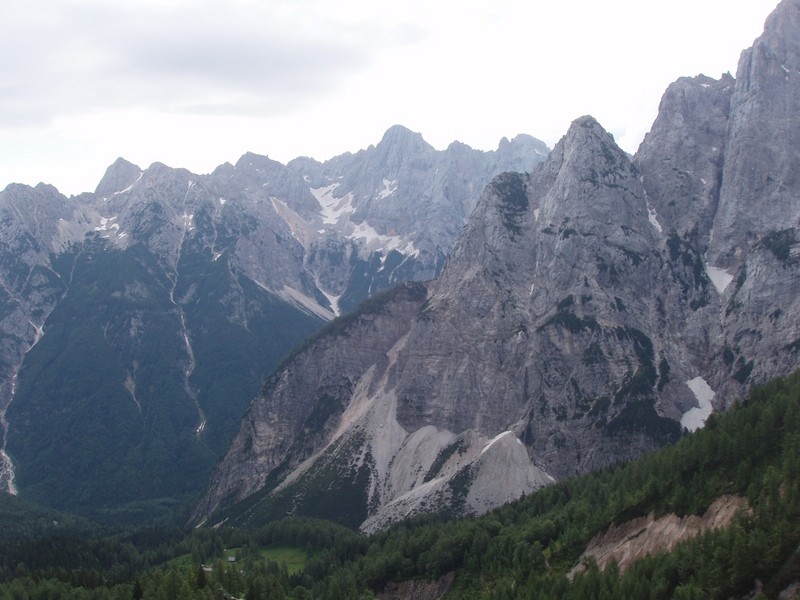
[{"x": 140, "y": 320}]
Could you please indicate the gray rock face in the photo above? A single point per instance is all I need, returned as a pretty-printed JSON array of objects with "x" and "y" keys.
[
  {"x": 590, "y": 310},
  {"x": 120, "y": 176},
  {"x": 733, "y": 155},
  {"x": 762, "y": 150},
  {"x": 549, "y": 289},
  {"x": 681, "y": 158}
]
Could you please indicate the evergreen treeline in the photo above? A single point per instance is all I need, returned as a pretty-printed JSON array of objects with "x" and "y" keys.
[{"x": 523, "y": 550}]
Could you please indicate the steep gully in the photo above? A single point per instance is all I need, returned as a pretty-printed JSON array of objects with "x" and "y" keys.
[
  {"x": 7, "y": 484},
  {"x": 191, "y": 363},
  {"x": 7, "y": 476}
]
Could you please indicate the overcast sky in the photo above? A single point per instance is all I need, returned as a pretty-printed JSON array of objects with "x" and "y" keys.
[{"x": 196, "y": 83}]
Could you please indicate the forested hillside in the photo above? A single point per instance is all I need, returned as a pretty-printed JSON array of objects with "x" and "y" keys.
[{"x": 524, "y": 550}]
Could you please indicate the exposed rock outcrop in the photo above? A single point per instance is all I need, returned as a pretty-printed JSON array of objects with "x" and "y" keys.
[
  {"x": 633, "y": 540},
  {"x": 418, "y": 589}
]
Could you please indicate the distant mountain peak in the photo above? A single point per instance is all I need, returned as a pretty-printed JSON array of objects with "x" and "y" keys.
[
  {"x": 250, "y": 161},
  {"x": 120, "y": 175},
  {"x": 523, "y": 140},
  {"x": 400, "y": 136}
]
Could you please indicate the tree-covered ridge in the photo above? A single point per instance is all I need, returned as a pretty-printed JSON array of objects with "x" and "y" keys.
[{"x": 523, "y": 550}]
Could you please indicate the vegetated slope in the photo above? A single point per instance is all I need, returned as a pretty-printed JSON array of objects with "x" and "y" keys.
[
  {"x": 522, "y": 550},
  {"x": 591, "y": 310},
  {"x": 106, "y": 409},
  {"x": 527, "y": 548}
]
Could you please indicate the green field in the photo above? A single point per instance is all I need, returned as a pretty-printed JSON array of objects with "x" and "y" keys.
[{"x": 294, "y": 558}]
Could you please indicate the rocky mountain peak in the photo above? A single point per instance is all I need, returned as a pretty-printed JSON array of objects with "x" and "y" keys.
[
  {"x": 405, "y": 140},
  {"x": 530, "y": 143},
  {"x": 119, "y": 176},
  {"x": 587, "y": 137},
  {"x": 586, "y": 145},
  {"x": 588, "y": 179},
  {"x": 258, "y": 163},
  {"x": 259, "y": 177}
]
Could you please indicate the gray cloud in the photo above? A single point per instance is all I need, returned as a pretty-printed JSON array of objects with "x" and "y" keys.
[{"x": 78, "y": 58}]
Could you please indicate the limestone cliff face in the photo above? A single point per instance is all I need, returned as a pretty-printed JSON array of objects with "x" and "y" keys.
[
  {"x": 756, "y": 234},
  {"x": 542, "y": 321},
  {"x": 305, "y": 400},
  {"x": 591, "y": 309},
  {"x": 719, "y": 167},
  {"x": 34, "y": 225},
  {"x": 762, "y": 150},
  {"x": 681, "y": 158}
]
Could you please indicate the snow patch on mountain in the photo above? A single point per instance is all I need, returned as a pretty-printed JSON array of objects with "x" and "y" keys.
[
  {"x": 385, "y": 243},
  {"x": 389, "y": 188},
  {"x": 333, "y": 208},
  {"x": 719, "y": 277},
  {"x": 107, "y": 223},
  {"x": 695, "y": 418},
  {"x": 652, "y": 216}
]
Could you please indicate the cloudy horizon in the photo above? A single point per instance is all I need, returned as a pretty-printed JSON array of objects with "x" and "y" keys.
[{"x": 197, "y": 84}]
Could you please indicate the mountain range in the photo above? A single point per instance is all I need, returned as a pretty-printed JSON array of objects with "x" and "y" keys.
[
  {"x": 139, "y": 321},
  {"x": 402, "y": 330},
  {"x": 592, "y": 309}
]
